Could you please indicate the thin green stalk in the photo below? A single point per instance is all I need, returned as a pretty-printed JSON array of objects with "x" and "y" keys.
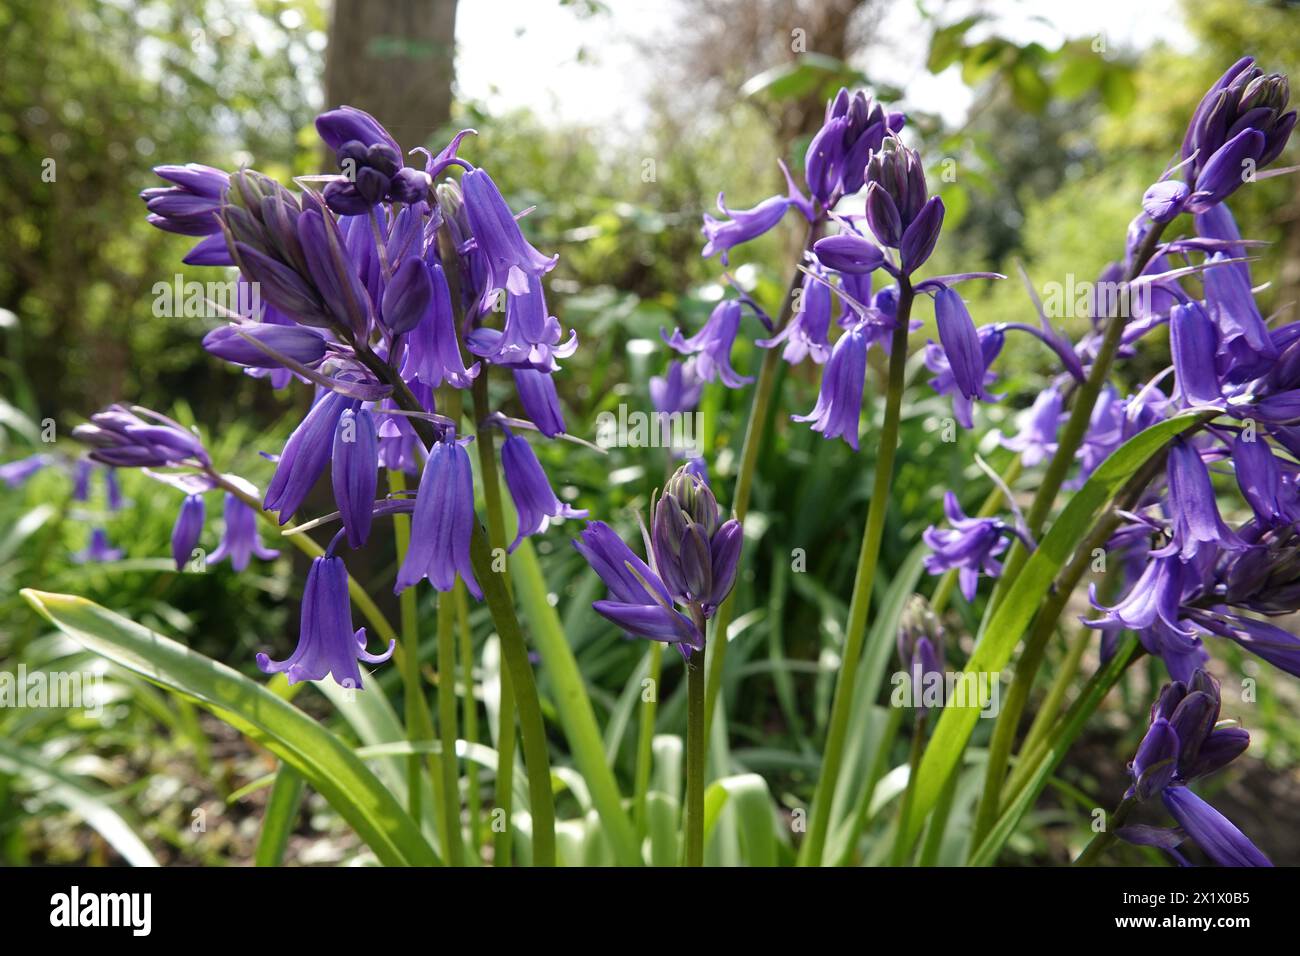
[
  {"x": 1051, "y": 705},
  {"x": 469, "y": 720},
  {"x": 452, "y": 851},
  {"x": 410, "y": 667},
  {"x": 901, "y": 852},
  {"x": 696, "y": 749},
  {"x": 537, "y": 761},
  {"x": 1102, "y": 841},
  {"x": 645, "y": 739},
  {"x": 860, "y": 605},
  {"x": 764, "y": 389}
]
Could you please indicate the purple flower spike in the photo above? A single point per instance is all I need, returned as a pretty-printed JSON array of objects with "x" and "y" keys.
[
  {"x": 187, "y": 530},
  {"x": 806, "y": 333},
  {"x": 540, "y": 400},
  {"x": 535, "y": 502},
  {"x": 510, "y": 258},
  {"x": 741, "y": 225},
  {"x": 327, "y": 645},
  {"x": 712, "y": 344},
  {"x": 355, "y": 472},
  {"x": 970, "y": 545},
  {"x": 240, "y": 541},
  {"x": 839, "y": 400},
  {"x": 1192, "y": 507},
  {"x": 305, "y": 455},
  {"x": 443, "y": 522}
]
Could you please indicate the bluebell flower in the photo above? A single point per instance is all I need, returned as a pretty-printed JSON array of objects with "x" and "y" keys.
[
  {"x": 806, "y": 332},
  {"x": 969, "y": 545},
  {"x": 99, "y": 551},
  {"x": 16, "y": 473},
  {"x": 540, "y": 400},
  {"x": 305, "y": 456},
  {"x": 239, "y": 540},
  {"x": 741, "y": 225},
  {"x": 187, "y": 530},
  {"x": 355, "y": 470},
  {"x": 443, "y": 522},
  {"x": 839, "y": 399},
  {"x": 510, "y": 259},
  {"x": 327, "y": 645},
  {"x": 1036, "y": 440},
  {"x": 432, "y": 348},
  {"x": 712, "y": 344},
  {"x": 1193, "y": 510},
  {"x": 536, "y": 504},
  {"x": 530, "y": 338},
  {"x": 677, "y": 390}
]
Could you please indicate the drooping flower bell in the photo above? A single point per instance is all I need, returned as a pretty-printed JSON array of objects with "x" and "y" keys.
[
  {"x": 535, "y": 502},
  {"x": 677, "y": 390},
  {"x": 510, "y": 259},
  {"x": 239, "y": 540},
  {"x": 740, "y": 225},
  {"x": 305, "y": 456},
  {"x": 443, "y": 522},
  {"x": 98, "y": 551},
  {"x": 970, "y": 545},
  {"x": 1193, "y": 510},
  {"x": 355, "y": 470},
  {"x": 806, "y": 332},
  {"x": 187, "y": 530},
  {"x": 839, "y": 399},
  {"x": 541, "y": 402},
  {"x": 327, "y": 645},
  {"x": 712, "y": 344},
  {"x": 1186, "y": 741}
]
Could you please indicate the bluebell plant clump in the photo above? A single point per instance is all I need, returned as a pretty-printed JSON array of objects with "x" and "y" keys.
[{"x": 378, "y": 286}]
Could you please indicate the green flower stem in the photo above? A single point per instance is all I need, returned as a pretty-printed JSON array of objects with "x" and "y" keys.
[
  {"x": 1076, "y": 427},
  {"x": 1031, "y": 658},
  {"x": 412, "y": 685},
  {"x": 901, "y": 849},
  {"x": 868, "y": 557},
  {"x": 1102, "y": 841},
  {"x": 453, "y": 851},
  {"x": 645, "y": 739},
  {"x": 878, "y": 767},
  {"x": 696, "y": 748},
  {"x": 764, "y": 389},
  {"x": 537, "y": 760},
  {"x": 469, "y": 720}
]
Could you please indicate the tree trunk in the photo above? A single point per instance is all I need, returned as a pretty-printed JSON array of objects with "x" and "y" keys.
[{"x": 393, "y": 59}]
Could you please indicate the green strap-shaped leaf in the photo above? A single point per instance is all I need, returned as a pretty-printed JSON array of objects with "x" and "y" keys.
[
  {"x": 279, "y": 817},
  {"x": 323, "y": 760},
  {"x": 1003, "y": 632}
]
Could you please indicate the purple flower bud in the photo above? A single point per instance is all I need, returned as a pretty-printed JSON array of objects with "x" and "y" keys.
[
  {"x": 1165, "y": 200},
  {"x": 849, "y": 253},
  {"x": 122, "y": 438},
  {"x": 305, "y": 455},
  {"x": 741, "y": 225},
  {"x": 541, "y": 402},
  {"x": 1227, "y": 169},
  {"x": 239, "y": 540},
  {"x": 1156, "y": 761},
  {"x": 1260, "y": 479},
  {"x": 408, "y": 296},
  {"x": 712, "y": 344},
  {"x": 535, "y": 502},
  {"x": 190, "y": 206},
  {"x": 839, "y": 400},
  {"x": 15, "y": 473},
  {"x": 355, "y": 471},
  {"x": 724, "y": 560},
  {"x": 298, "y": 343},
  {"x": 443, "y": 522},
  {"x": 961, "y": 343},
  {"x": 1193, "y": 343},
  {"x": 327, "y": 645},
  {"x": 187, "y": 530},
  {"x": 510, "y": 258},
  {"x": 882, "y": 216},
  {"x": 347, "y": 123},
  {"x": 333, "y": 273},
  {"x": 920, "y": 237}
]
